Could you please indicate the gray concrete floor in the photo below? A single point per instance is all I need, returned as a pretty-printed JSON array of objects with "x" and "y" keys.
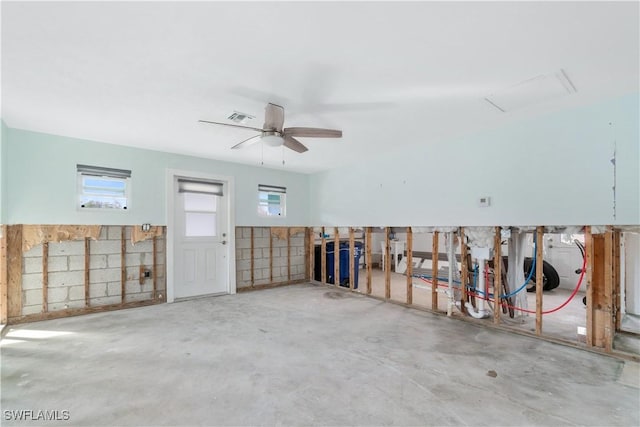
[
  {"x": 562, "y": 324},
  {"x": 304, "y": 355}
]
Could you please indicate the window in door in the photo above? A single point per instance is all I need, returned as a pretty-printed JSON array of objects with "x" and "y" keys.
[{"x": 200, "y": 200}]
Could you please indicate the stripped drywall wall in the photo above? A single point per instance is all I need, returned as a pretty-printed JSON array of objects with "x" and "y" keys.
[
  {"x": 42, "y": 171},
  {"x": 551, "y": 170},
  {"x": 268, "y": 256},
  {"x": 90, "y": 269}
]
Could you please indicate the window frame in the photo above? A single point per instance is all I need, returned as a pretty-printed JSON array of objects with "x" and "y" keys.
[
  {"x": 272, "y": 190},
  {"x": 186, "y": 212},
  {"x": 106, "y": 174}
]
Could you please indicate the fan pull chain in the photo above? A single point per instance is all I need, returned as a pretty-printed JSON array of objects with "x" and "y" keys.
[
  {"x": 283, "y": 155},
  {"x": 261, "y": 153}
]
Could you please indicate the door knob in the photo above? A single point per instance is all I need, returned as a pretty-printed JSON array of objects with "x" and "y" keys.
[{"x": 224, "y": 242}]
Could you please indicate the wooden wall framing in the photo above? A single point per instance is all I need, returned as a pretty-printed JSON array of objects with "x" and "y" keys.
[
  {"x": 3, "y": 276},
  {"x": 435, "y": 252},
  {"x": 465, "y": 271},
  {"x": 45, "y": 277},
  {"x": 539, "y": 280},
  {"x": 14, "y": 272},
  {"x": 336, "y": 256},
  {"x": 602, "y": 277},
  {"x": 387, "y": 264},
  {"x": 497, "y": 276},
  {"x": 368, "y": 250},
  {"x": 267, "y": 257},
  {"x": 18, "y": 305},
  {"x": 409, "y": 266}
]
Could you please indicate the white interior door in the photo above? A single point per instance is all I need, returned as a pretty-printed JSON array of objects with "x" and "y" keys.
[{"x": 201, "y": 254}]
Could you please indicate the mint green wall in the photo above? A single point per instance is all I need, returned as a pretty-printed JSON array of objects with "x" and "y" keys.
[
  {"x": 41, "y": 173},
  {"x": 437, "y": 185},
  {"x": 3, "y": 170},
  {"x": 554, "y": 170}
]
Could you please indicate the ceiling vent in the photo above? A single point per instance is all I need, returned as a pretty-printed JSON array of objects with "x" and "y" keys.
[
  {"x": 533, "y": 91},
  {"x": 238, "y": 117}
]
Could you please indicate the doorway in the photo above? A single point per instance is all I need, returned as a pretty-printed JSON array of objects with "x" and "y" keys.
[{"x": 200, "y": 236}]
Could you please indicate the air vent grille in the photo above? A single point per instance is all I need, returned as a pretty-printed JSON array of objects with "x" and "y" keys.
[{"x": 238, "y": 117}]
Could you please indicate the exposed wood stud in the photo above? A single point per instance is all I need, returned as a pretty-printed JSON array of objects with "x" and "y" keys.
[
  {"x": 14, "y": 271},
  {"x": 154, "y": 295},
  {"x": 539, "y": 277},
  {"x": 45, "y": 277},
  {"x": 607, "y": 309},
  {"x": 307, "y": 256},
  {"x": 87, "y": 264},
  {"x": 367, "y": 249},
  {"x": 3, "y": 275},
  {"x": 600, "y": 281},
  {"x": 387, "y": 263},
  {"x": 123, "y": 264},
  {"x": 336, "y": 257},
  {"x": 289, "y": 255},
  {"x": 465, "y": 271},
  {"x": 311, "y": 253},
  {"x": 409, "y": 266},
  {"x": 270, "y": 257},
  {"x": 435, "y": 253},
  {"x": 352, "y": 259},
  {"x": 323, "y": 258},
  {"x": 588, "y": 242},
  {"x": 616, "y": 280},
  {"x": 497, "y": 276},
  {"x": 252, "y": 261}
]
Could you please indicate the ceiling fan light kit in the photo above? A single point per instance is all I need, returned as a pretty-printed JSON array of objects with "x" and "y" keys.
[
  {"x": 273, "y": 134},
  {"x": 272, "y": 139}
]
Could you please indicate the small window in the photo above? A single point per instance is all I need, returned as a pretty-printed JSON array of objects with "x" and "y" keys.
[
  {"x": 103, "y": 188},
  {"x": 271, "y": 200}
]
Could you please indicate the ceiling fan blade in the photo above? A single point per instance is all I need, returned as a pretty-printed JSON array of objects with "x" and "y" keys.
[
  {"x": 313, "y": 133},
  {"x": 229, "y": 124},
  {"x": 273, "y": 117},
  {"x": 294, "y": 144},
  {"x": 247, "y": 142}
]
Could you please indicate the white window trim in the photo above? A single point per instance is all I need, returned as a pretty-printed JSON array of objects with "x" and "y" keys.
[
  {"x": 80, "y": 192},
  {"x": 269, "y": 190}
]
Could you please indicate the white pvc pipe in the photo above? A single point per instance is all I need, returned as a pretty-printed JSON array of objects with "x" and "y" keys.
[{"x": 482, "y": 311}]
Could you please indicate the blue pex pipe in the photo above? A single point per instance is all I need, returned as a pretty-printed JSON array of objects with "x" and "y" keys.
[{"x": 510, "y": 294}]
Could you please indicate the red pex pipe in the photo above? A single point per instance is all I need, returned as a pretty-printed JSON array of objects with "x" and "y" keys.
[{"x": 560, "y": 307}]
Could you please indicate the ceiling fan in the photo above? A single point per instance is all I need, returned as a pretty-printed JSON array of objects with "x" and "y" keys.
[{"x": 272, "y": 132}]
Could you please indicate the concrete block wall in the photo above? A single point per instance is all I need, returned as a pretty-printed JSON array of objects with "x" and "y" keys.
[
  {"x": 262, "y": 273},
  {"x": 66, "y": 272}
]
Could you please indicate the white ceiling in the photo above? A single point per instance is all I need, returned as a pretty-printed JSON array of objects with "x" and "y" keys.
[{"x": 388, "y": 74}]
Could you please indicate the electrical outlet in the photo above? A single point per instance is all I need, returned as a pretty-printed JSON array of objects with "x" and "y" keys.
[{"x": 145, "y": 273}]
